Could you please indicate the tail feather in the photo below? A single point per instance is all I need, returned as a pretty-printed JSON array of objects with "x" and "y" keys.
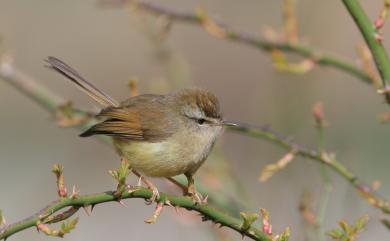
[{"x": 87, "y": 87}]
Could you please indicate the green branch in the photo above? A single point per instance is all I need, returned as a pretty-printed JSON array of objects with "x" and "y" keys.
[
  {"x": 250, "y": 39},
  {"x": 324, "y": 158},
  {"x": 370, "y": 35},
  {"x": 207, "y": 212},
  {"x": 31, "y": 88},
  {"x": 52, "y": 103}
]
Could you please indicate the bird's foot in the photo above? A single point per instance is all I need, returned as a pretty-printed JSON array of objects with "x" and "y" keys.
[
  {"x": 195, "y": 196},
  {"x": 156, "y": 195},
  {"x": 156, "y": 214}
]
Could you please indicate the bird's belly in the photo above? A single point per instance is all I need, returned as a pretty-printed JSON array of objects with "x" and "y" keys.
[{"x": 160, "y": 159}]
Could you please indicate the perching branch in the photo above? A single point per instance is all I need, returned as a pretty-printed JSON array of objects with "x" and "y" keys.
[
  {"x": 229, "y": 33},
  {"x": 54, "y": 104},
  {"x": 206, "y": 211},
  {"x": 53, "y": 213},
  {"x": 373, "y": 40},
  {"x": 51, "y": 103}
]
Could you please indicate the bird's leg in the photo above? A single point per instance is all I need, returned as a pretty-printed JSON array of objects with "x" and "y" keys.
[
  {"x": 177, "y": 183},
  {"x": 150, "y": 185},
  {"x": 191, "y": 190}
]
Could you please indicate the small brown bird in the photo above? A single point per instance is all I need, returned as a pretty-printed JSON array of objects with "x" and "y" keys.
[{"x": 160, "y": 135}]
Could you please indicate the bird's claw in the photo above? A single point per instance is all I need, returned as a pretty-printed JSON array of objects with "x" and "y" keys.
[
  {"x": 195, "y": 196},
  {"x": 156, "y": 214},
  {"x": 155, "y": 196}
]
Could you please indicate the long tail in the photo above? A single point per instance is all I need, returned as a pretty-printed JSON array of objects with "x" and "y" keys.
[{"x": 87, "y": 87}]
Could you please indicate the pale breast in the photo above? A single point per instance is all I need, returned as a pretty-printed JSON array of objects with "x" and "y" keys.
[{"x": 171, "y": 157}]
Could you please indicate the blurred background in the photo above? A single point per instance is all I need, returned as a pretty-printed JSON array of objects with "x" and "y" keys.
[{"x": 109, "y": 45}]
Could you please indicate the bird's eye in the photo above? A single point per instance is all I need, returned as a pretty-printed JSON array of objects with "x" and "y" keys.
[{"x": 201, "y": 121}]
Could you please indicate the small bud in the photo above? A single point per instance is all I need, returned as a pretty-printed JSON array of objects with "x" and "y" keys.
[
  {"x": 361, "y": 223},
  {"x": 68, "y": 226},
  {"x": 58, "y": 170},
  {"x": 44, "y": 228},
  {"x": 335, "y": 234},
  {"x": 211, "y": 26},
  {"x": 269, "y": 170},
  {"x": 120, "y": 176},
  {"x": 379, "y": 22},
  {"x": 284, "y": 236},
  {"x": 267, "y": 227},
  {"x": 318, "y": 114},
  {"x": 248, "y": 220},
  {"x": 347, "y": 231}
]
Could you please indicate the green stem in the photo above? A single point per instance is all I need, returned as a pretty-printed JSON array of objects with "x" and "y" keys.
[
  {"x": 324, "y": 158},
  {"x": 51, "y": 103},
  {"x": 325, "y": 195},
  {"x": 252, "y": 40},
  {"x": 208, "y": 212},
  {"x": 369, "y": 32}
]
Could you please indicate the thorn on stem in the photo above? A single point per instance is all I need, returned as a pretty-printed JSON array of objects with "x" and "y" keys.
[
  {"x": 88, "y": 209},
  {"x": 75, "y": 192}
]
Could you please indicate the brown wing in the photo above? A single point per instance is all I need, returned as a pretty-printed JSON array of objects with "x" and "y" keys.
[{"x": 140, "y": 118}]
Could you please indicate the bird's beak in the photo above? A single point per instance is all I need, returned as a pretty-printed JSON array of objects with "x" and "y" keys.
[{"x": 228, "y": 123}]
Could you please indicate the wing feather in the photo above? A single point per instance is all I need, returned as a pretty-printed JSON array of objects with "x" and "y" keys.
[{"x": 137, "y": 120}]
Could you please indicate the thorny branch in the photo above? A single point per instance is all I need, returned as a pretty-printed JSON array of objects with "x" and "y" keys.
[
  {"x": 207, "y": 212},
  {"x": 53, "y": 213},
  {"x": 223, "y": 30},
  {"x": 374, "y": 42},
  {"x": 52, "y": 104},
  {"x": 323, "y": 157}
]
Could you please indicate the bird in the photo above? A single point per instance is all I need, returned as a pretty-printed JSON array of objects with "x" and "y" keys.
[{"x": 160, "y": 135}]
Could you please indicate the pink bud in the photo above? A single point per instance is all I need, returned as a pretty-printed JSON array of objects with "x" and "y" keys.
[
  {"x": 379, "y": 22},
  {"x": 43, "y": 227},
  {"x": 63, "y": 192},
  {"x": 267, "y": 227}
]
